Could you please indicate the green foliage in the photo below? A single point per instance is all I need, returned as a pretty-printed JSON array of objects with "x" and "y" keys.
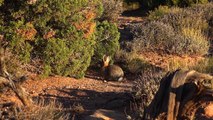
[
  {"x": 107, "y": 40},
  {"x": 56, "y": 55},
  {"x": 80, "y": 57},
  {"x": 60, "y": 33},
  {"x": 18, "y": 43}
]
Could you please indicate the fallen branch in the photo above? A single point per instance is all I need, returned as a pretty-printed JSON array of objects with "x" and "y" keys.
[{"x": 18, "y": 89}]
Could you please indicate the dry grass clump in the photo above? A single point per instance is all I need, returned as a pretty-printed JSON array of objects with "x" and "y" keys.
[
  {"x": 175, "y": 64},
  {"x": 39, "y": 111},
  {"x": 51, "y": 111}
]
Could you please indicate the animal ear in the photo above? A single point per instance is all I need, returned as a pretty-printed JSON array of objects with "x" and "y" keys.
[
  {"x": 104, "y": 57},
  {"x": 108, "y": 58}
]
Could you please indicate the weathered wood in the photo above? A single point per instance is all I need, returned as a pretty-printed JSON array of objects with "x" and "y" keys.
[
  {"x": 3, "y": 80},
  {"x": 177, "y": 90}
]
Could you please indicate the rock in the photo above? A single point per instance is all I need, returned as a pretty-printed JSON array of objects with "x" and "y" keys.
[{"x": 103, "y": 114}]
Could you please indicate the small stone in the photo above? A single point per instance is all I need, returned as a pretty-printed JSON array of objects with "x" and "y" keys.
[
  {"x": 128, "y": 117},
  {"x": 105, "y": 81}
]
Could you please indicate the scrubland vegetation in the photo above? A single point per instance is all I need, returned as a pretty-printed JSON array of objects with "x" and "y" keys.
[
  {"x": 173, "y": 30},
  {"x": 51, "y": 37},
  {"x": 62, "y": 36}
]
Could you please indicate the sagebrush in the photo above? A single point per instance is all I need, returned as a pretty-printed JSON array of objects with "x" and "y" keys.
[{"x": 174, "y": 31}]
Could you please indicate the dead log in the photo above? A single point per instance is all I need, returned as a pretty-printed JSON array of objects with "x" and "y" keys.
[{"x": 178, "y": 90}]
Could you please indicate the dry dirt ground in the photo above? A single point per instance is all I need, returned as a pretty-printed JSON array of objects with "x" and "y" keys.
[{"x": 89, "y": 93}]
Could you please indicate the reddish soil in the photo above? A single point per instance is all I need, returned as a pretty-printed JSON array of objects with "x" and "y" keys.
[{"x": 89, "y": 93}]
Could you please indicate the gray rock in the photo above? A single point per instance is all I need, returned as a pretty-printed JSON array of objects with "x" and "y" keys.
[{"x": 102, "y": 114}]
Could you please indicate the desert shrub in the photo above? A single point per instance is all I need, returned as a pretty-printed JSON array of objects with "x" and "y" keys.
[
  {"x": 185, "y": 2},
  {"x": 161, "y": 11},
  {"x": 174, "y": 64},
  {"x": 183, "y": 21},
  {"x": 203, "y": 9},
  {"x": 157, "y": 36},
  {"x": 56, "y": 55},
  {"x": 137, "y": 65},
  {"x": 112, "y": 10},
  {"x": 61, "y": 34},
  {"x": 145, "y": 89},
  {"x": 174, "y": 31},
  {"x": 131, "y": 5},
  {"x": 151, "y": 36},
  {"x": 185, "y": 18},
  {"x": 107, "y": 41},
  {"x": 199, "y": 10},
  {"x": 131, "y": 62},
  {"x": 204, "y": 66},
  {"x": 81, "y": 52},
  {"x": 150, "y": 4},
  {"x": 18, "y": 36},
  {"x": 197, "y": 43},
  {"x": 9, "y": 62},
  {"x": 50, "y": 111}
]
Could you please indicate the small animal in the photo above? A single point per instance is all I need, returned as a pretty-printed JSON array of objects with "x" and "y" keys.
[{"x": 111, "y": 72}]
